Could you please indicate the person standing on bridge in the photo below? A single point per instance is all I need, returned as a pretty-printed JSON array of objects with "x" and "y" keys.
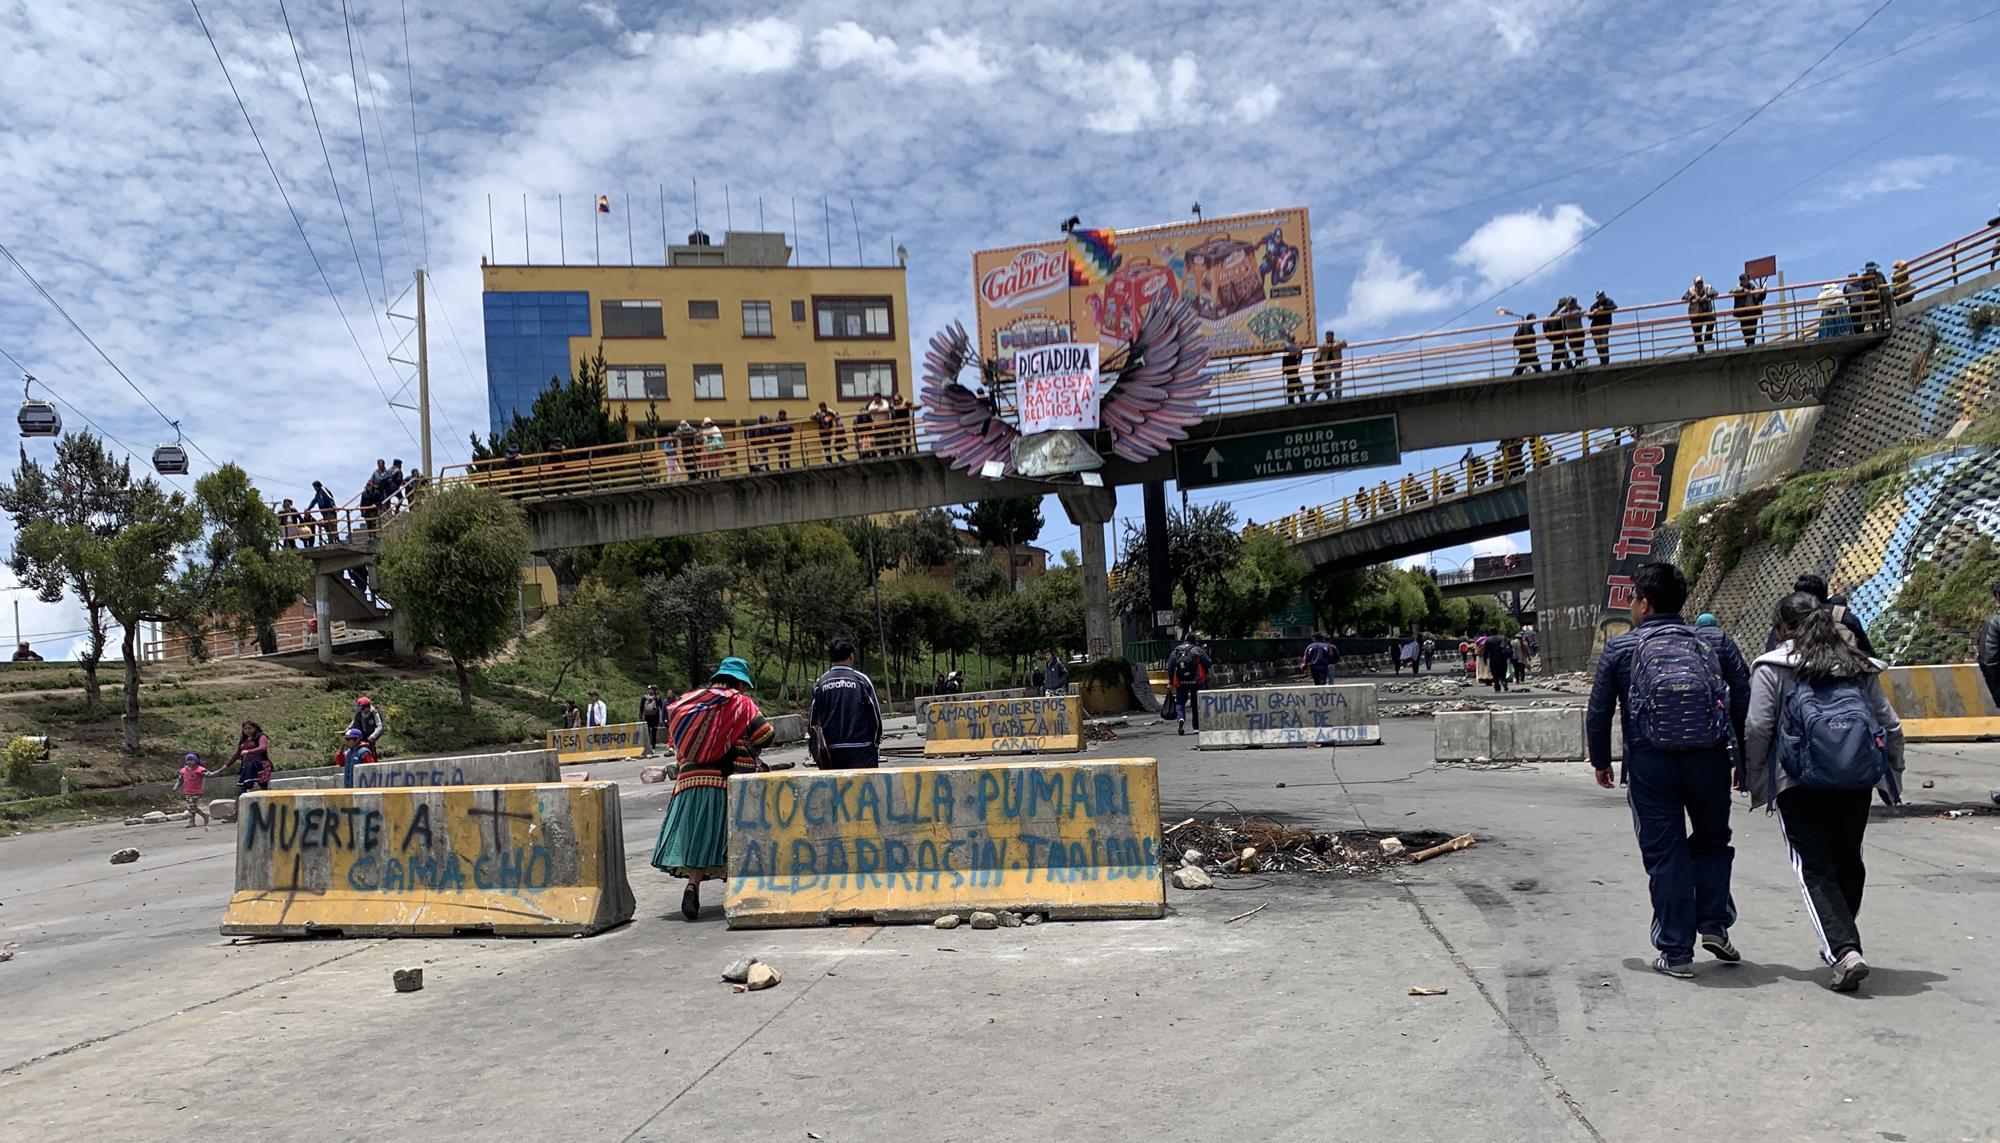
[
  {"x": 1573, "y": 327},
  {"x": 1526, "y": 356},
  {"x": 1295, "y": 355},
  {"x": 1989, "y": 648},
  {"x": 1901, "y": 292},
  {"x": 1746, "y": 305},
  {"x": 1187, "y": 668},
  {"x": 1552, "y": 328},
  {"x": 1700, "y": 299},
  {"x": 1327, "y": 368},
  {"x": 715, "y": 731},
  {"x": 322, "y": 502},
  {"x": 844, "y": 724},
  {"x": 1602, "y": 311},
  {"x": 782, "y": 431},
  {"x": 1683, "y": 694}
]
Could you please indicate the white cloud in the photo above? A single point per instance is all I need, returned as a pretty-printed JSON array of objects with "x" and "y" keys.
[
  {"x": 605, "y": 14},
  {"x": 1122, "y": 93},
  {"x": 1385, "y": 288},
  {"x": 757, "y": 47},
  {"x": 1510, "y": 246},
  {"x": 1891, "y": 176},
  {"x": 939, "y": 56},
  {"x": 1517, "y": 32}
]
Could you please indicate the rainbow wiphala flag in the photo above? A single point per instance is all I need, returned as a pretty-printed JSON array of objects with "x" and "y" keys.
[{"x": 1090, "y": 256}]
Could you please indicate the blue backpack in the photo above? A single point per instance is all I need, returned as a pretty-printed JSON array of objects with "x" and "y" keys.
[
  {"x": 1828, "y": 738},
  {"x": 1677, "y": 694}
]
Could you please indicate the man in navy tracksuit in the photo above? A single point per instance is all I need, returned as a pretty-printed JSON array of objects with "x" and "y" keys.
[
  {"x": 1671, "y": 787},
  {"x": 846, "y": 718}
]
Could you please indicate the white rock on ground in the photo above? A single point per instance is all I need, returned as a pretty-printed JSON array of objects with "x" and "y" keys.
[
  {"x": 948, "y": 921},
  {"x": 739, "y": 971},
  {"x": 985, "y": 921},
  {"x": 1189, "y": 877},
  {"x": 761, "y": 976}
]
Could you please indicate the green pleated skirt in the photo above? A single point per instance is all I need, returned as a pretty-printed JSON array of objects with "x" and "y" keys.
[{"x": 695, "y": 836}]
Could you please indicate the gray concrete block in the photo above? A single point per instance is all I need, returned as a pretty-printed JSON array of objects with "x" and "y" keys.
[
  {"x": 1543, "y": 735},
  {"x": 1461, "y": 735},
  {"x": 790, "y": 728},
  {"x": 1342, "y": 714},
  {"x": 518, "y": 766}
]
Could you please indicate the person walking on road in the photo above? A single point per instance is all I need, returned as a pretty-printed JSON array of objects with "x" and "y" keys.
[
  {"x": 1682, "y": 694},
  {"x": 1499, "y": 655},
  {"x": 1327, "y": 368},
  {"x": 1746, "y": 305},
  {"x": 1526, "y": 358},
  {"x": 355, "y": 750},
  {"x": 369, "y": 721},
  {"x": 1989, "y": 648},
  {"x": 1430, "y": 655},
  {"x": 189, "y": 785},
  {"x": 1602, "y": 311},
  {"x": 845, "y": 722},
  {"x": 1522, "y": 653},
  {"x": 651, "y": 708},
  {"x": 253, "y": 759},
  {"x": 1408, "y": 655},
  {"x": 1055, "y": 676},
  {"x": 596, "y": 714},
  {"x": 1321, "y": 659},
  {"x": 1187, "y": 668},
  {"x": 1819, "y": 741},
  {"x": 715, "y": 731},
  {"x": 1700, "y": 299}
]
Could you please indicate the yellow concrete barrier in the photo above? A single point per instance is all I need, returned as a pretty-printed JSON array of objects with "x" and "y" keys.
[
  {"x": 1943, "y": 704},
  {"x": 530, "y": 860},
  {"x": 590, "y": 743},
  {"x": 1070, "y": 839},
  {"x": 1005, "y": 726}
]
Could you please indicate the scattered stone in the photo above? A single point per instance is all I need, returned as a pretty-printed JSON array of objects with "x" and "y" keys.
[
  {"x": 1419, "y": 990},
  {"x": 1392, "y": 847},
  {"x": 1247, "y": 861},
  {"x": 1193, "y": 857},
  {"x": 653, "y": 775},
  {"x": 984, "y": 920},
  {"x": 223, "y": 809},
  {"x": 153, "y": 817},
  {"x": 739, "y": 971},
  {"x": 1009, "y": 920},
  {"x": 6, "y": 954},
  {"x": 1929, "y": 785},
  {"x": 135, "y": 821},
  {"x": 409, "y": 979},
  {"x": 761, "y": 976},
  {"x": 948, "y": 921},
  {"x": 1032, "y": 919},
  {"x": 125, "y": 857},
  {"x": 1192, "y": 877}
]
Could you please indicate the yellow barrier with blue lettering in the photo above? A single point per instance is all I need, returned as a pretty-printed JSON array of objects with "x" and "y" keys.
[
  {"x": 1005, "y": 726},
  {"x": 1942, "y": 704},
  {"x": 590, "y": 743},
  {"x": 1069, "y": 839},
  {"x": 530, "y": 860}
]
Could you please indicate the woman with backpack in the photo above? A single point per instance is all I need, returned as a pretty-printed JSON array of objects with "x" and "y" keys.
[{"x": 1821, "y": 739}]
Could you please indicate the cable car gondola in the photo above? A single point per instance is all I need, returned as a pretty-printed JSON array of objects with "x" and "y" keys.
[
  {"x": 37, "y": 418},
  {"x": 171, "y": 459}
]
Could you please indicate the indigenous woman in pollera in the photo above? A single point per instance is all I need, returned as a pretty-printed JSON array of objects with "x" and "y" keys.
[{"x": 715, "y": 731}]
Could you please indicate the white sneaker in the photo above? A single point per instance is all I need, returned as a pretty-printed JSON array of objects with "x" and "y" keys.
[{"x": 1848, "y": 973}]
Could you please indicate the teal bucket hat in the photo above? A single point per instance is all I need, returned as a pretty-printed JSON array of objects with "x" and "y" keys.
[{"x": 734, "y": 668}]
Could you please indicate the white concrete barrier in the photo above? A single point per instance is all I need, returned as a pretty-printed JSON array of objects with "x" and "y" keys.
[
  {"x": 1342, "y": 714},
  {"x": 511, "y": 768},
  {"x": 1537, "y": 734}
]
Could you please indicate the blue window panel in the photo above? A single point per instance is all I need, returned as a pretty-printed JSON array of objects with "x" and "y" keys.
[{"x": 531, "y": 325}]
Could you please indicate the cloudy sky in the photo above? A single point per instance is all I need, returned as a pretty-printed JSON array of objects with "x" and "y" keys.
[{"x": 1444, "y": 149}]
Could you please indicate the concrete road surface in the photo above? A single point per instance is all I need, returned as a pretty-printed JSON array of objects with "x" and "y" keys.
[{"x": 124, "y": 1016}]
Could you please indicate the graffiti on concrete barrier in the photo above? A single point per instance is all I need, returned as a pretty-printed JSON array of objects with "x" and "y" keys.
[
  {"x": 923, "y": 829},
  {"x": 371, "y": 777},
  {"x": 1280, "y": 708},
  {"x": 1788, "y": 381},
  {"x": 362, "y": 848},
  {"x": 1004, "y": 718}
]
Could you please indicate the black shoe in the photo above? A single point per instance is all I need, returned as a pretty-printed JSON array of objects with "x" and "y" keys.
[
  {"x": 1678, "y": 969},
  {"x": 691, "y": 902},
  {"x": 1717, "y": 943}
]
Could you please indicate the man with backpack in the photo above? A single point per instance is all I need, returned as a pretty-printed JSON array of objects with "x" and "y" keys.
[
  {"x": 1499, "y": 656},
  {"x": 1836, "y": 605},
  {"x": 1820, "y": 740},
  {"x": 1321, "y": 658},
  {"x": 1187, "y": 668},
  {"x": 1682, "y": 694}
]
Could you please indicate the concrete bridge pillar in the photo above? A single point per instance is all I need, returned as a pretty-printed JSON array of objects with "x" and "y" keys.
[
  {"x": 323, "y": 613},
  {"x": 1090, "y": 509}
]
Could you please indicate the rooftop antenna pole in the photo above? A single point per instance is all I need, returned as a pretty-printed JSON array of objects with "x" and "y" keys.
[
  {"x": 856, "y": 216},
  {"x": 596, "y": 245},
  {"x": 696, "y": 185},
  {"x": 631, "y": 251},
  {"x": 527, "y": 244},
  {"x": 492, "y": 252},
  {"x": 796, "y": 252},
  {"x": 826, "y": 217},
  {"x": 728, "y": 215},
  {"x": 664, "y": 259},
  {"x": 562, "y": 239},
  {"x": 760, "y": 212}
]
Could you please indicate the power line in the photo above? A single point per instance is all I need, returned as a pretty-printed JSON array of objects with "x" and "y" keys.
[
  {"x": 416, "y": 140},
  {"x": 1676, "y": 173},
  {"x": 131, "y": 454},
  {"x": 368, "y": 174},
  {"x": 388, "y": 165},
  {"x": 299, "y": 223}
]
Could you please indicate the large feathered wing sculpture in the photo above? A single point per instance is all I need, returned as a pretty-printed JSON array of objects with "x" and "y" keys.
[
  {"x": 1157, "y": 397},
  {"x": 969, "y": 428}
]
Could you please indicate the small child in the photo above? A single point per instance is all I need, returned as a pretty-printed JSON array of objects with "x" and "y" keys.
[{"x": 189, "y": 784}]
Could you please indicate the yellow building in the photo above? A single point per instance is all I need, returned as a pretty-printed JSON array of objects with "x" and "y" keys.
[{"x": 727, "y": 332}]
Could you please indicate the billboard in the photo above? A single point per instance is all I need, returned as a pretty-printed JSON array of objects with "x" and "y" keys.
[
  {"x": 1722, "y": 456},
  {"x": 1248, "y": 277}
]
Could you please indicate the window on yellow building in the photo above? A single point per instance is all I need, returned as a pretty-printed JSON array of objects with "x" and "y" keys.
[
  {"x": 862, "y": 379},
  {"x": 756, "y": 319},
  {"x": 631, "y": 319},
  {"x": 781, "y": 382},
  {"x": 798, "y": 311},
  {"x": 708, "y": 382},
  {"x": 635, "y": 382},
  {"x": 852, "y": 317},
  {"x": 703, "y": 311}
]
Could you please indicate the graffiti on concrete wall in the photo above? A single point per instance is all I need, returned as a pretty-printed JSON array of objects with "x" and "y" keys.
[
  {"x": 1792, "y": 382},
  {"x": 470, "y": 839}
]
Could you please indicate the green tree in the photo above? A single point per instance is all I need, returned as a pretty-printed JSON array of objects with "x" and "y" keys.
[
  {"x": 453, "y": 566},
  {"x": 1202, "y": 546},
  {"x": 1057, "y": 597},
  {"x": 137, "y": 563},
  {"x": 238, "y": 569},
  {"x": 575, "y": 414},
  {"x": 927, "y": 539},
  {"x": 61, "y": 517},
  {"x": 597, "y": 620},
  {"x": 801, "y": 581},
  {"x": 693, "y": 607},
  {"x": 1005, "y": 524},
  {"x": 1265, "y": 578}
]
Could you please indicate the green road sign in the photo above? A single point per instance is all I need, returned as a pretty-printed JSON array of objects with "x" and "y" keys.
[{"x": 1302, "y": 451}]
